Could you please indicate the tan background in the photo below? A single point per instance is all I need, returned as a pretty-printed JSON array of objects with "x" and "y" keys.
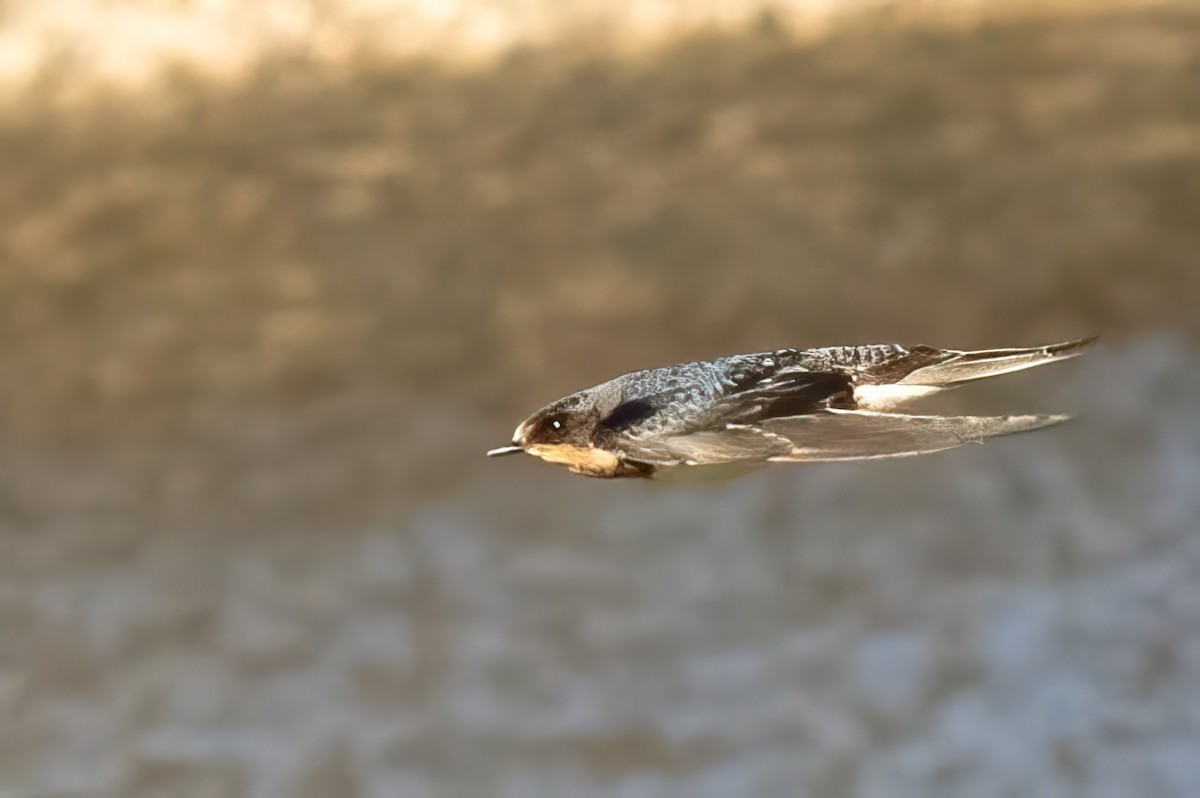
[{"x": 261, "y": 317}]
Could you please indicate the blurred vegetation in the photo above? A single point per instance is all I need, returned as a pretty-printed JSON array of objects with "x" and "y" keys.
[{"x": 400, "y": 255}]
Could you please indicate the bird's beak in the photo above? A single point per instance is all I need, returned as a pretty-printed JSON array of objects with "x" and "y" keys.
[{"x": 505, "y": 450}]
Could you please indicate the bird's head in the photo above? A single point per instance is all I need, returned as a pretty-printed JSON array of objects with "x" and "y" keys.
[
  {"x": 567, "y": 421},
  {"x": 563, "y": 432}
]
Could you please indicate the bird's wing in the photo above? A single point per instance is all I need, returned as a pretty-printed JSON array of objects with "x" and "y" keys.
[
  {"x": 747, "y": 393},
  {"x": 654, "y": 431},
  {"x": 829, "y": 434},
  {"x": 706, "y": 447},
  {"x": 777, "y": 394},
  {"x": 860, "y": 434}
]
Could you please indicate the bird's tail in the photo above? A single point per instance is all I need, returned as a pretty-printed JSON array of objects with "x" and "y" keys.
[{"x": 962, "y": 367}]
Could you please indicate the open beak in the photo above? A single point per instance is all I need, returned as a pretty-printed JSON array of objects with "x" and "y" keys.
[{"x": 505, "y": 450}]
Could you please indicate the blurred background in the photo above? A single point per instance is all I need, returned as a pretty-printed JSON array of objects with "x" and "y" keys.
[{"x": 273, "y": 276}]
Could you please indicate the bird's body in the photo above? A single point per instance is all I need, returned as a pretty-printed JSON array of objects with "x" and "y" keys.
[{"x": 832, "y": 403}]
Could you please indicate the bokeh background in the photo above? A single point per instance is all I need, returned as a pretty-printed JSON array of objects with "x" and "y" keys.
[{"x": 273, "y": 276}]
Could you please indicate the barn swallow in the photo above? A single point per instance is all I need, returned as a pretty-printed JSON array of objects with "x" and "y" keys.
[{"x": 831, "y": 403}]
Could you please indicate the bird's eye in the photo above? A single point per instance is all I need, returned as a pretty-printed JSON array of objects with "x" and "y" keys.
[{"x": 556, "y": 424}]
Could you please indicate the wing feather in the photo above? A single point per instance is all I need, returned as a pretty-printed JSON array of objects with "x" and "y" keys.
[
  {"x": 707, "y": 447},
  {"x": 780, "y": 394},
  {"x": 826, "y": 436},
  {"x": 861, "y": 434}
]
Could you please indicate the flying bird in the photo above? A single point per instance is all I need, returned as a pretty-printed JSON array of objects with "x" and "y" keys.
[{"x": 790, "y": 405}]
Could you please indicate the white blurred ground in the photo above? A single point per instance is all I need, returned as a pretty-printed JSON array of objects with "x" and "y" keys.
[{"x": 1019, "y": 618}]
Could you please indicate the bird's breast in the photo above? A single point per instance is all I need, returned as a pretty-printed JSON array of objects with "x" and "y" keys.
[{"x": 578, "y": 459}]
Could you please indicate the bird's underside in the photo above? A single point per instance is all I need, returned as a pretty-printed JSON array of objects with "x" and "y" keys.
[{"x": 836, "y": 403}]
